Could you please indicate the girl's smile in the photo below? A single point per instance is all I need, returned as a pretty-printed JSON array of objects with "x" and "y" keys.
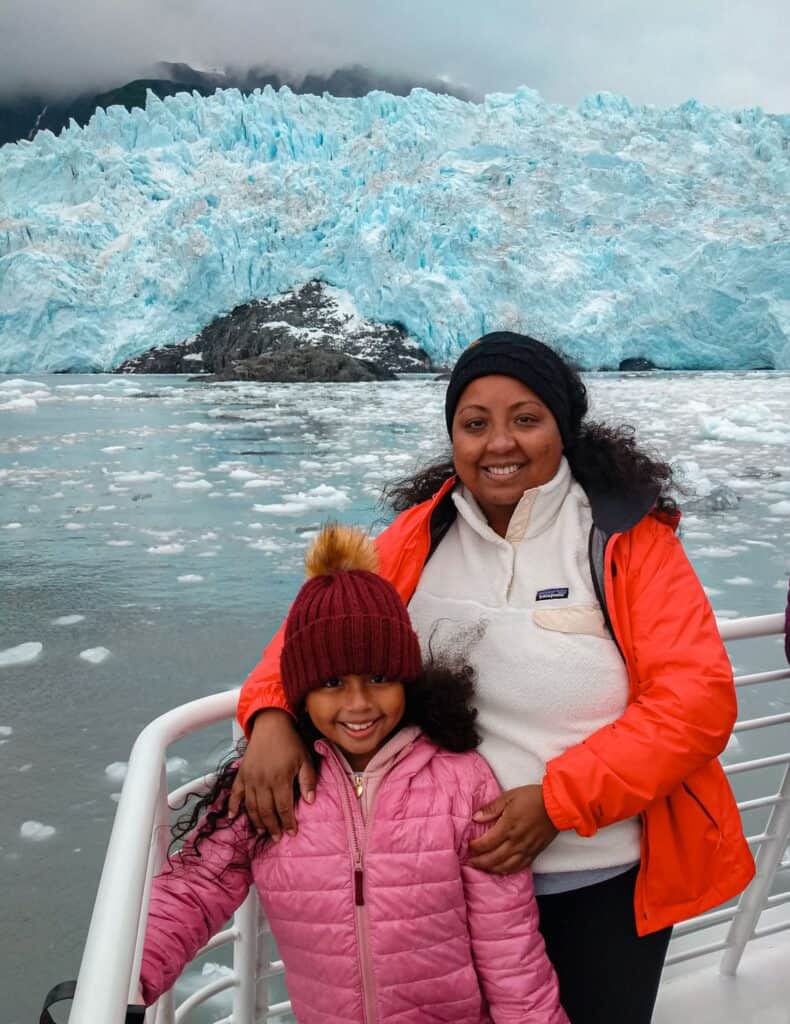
[{"x": 357, "y": 713}]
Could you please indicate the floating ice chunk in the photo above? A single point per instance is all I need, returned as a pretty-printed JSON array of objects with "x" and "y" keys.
[
  {"x": 210, "y": 969},
  {"x": 21, "y": 404},
  {"x": 114, "y": 448},
  {"x": 6, "y": 731},
  {"x": 119, "y": 543},
  {"x": 175, "y": 765},
  {"x": 268, "y": 546},
  {"x": 718, "y": 499},
  {"x": 18, "y": 384},
  {"x": 714, "y": 551},
  {"x": 193, "y": 485},
  {"x": 22, "y": 654},
  {"x": 12, "y": 526},
  {"x": 740, "y": 581},
  {"x": 36, "y": 831},
  {"x": 322, "y": 496},
  {"x": 190, "y": 577},
  {"x": 74, "y": 527},
  {"x": 286, "y": 508},
  {"x": 165, "y": 549},
  {"x": 68, "y": 620},
  {"x": 95, "y": 655},
  {"x": 781, "y": 508},
  {"x": 242, "y": 474},
  {"x": 726, "y": 429},
  {"x": 142, "y": 476},
  {"x": 116, "y": 772}
]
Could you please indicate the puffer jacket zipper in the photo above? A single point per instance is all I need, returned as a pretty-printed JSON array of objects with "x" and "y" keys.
[{"x": 356, "y": 833}]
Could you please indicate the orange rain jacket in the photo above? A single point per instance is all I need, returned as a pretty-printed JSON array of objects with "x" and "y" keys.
[{"x": 659, "y": 759}]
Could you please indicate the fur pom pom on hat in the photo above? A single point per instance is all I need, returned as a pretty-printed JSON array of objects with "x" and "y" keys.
[{"x": 346, "y": 619}]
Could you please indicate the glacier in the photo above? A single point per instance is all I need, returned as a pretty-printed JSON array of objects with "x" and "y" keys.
[{"x": 611, "y": 230}]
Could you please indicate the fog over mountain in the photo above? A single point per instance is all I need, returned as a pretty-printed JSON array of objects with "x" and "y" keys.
[{"x": 729, "y": 55}]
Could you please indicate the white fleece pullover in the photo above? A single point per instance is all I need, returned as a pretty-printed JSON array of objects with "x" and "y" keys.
[{"x": 522, "y": 611}]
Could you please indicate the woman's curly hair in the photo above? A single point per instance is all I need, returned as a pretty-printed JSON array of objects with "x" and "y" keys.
[
  {"x": 602, "y": 458},
  {"x": 439, "y": 701}
]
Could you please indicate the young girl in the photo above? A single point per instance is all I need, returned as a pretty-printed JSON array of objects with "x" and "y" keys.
[{"x": 376, "y": 913}]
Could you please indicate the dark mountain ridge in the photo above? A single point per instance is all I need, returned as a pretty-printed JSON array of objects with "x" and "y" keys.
[{"x": 22, "y": 116}]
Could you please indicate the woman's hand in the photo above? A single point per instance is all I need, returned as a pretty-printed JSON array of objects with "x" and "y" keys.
[
  {"x": 523, "y": 830},
  {"x": 275, "y": 756}
]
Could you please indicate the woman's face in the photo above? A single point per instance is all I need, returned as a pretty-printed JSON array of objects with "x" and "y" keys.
[
  {"x": 357, "y": 712},
  {"x": 505, "y": 441}
]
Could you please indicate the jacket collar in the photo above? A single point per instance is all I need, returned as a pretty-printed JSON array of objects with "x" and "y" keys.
[
  {"x": 612, "y": 512},
  {"x": 393, "y": 751},
  {"x": 536, "y": 510}
]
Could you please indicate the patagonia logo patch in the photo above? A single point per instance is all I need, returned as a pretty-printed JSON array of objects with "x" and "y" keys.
[{"x": 552, "y": 594}]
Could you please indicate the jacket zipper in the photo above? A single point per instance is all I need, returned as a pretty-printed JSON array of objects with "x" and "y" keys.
[{"x": 360, "y": 910}]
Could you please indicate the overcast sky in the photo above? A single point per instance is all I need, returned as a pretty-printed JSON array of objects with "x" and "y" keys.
[{"x": 730, "y": 53}]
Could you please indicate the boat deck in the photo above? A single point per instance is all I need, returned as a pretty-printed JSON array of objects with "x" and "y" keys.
[{"x": 696, "y": 993}]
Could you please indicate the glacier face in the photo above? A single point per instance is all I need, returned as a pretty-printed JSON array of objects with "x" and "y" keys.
[{"x": 609, "y": 230}]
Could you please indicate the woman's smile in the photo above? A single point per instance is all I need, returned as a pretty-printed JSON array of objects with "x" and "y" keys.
[{"x": 505, "y": 441}]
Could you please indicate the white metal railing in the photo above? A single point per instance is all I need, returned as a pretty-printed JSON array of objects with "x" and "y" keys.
[{"x": 111, "y": 959}]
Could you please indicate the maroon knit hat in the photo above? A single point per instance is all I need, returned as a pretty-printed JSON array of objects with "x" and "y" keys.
[{"x": 346, "y": 619}]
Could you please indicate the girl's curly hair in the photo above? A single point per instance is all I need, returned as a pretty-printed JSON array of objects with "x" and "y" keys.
[
  {"x": 439, "y": 701},
  {"x": 602, "y": 458}
]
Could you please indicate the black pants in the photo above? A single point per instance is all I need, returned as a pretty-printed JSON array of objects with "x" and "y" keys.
[{"x": 607, "y": 973}]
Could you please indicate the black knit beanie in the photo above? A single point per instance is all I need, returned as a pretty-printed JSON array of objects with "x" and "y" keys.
[{"x": 519, "y": 356}]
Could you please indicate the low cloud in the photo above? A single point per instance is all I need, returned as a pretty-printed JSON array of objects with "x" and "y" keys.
[{"x": 728, "y": 55}]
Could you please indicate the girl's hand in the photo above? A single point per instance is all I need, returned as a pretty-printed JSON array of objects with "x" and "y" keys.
[
  {"x": 523, "y": 830},
  {"x": 275, "y": 756}
]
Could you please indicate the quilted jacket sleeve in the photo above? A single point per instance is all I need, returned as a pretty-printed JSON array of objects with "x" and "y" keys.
[
  {"x": 516, "y": 976},
  {"x": 190, "y": 900},
  {"x": 685, "y": 708}
]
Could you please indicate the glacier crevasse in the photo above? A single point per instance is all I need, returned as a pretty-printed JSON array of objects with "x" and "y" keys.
[{"x": 611, "y": 230}]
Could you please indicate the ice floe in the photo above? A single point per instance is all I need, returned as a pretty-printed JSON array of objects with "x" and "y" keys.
[
  {"x": 95, "y": 655},
  {"x": 68, "y": 620},
  {"x": 36, "y": 831},
  {"x": 116, "y": 772},
  {"x": 22, "y": 654},
  {"x": 193, "y": 485}
]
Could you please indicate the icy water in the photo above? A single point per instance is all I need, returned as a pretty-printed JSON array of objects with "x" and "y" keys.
[{"x": 151, "y": 535}]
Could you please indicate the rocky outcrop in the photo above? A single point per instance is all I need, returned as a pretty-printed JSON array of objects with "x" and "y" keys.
[
  {"x": 258, "y": 339},
  {"x": 636, "y": 364},
  {"x": 285, "y": 364}
]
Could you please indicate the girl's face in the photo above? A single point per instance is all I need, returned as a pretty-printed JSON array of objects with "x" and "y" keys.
[
  {"x": 505, "y": 441},
  {"x": 357, "y": 713}
]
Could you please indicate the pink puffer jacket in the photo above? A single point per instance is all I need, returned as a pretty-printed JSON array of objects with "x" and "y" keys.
[{"x": 376, "y": 921}]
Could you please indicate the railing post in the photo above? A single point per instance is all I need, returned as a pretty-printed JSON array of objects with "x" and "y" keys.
[
  {"x": 165, "y": 1006},
  {"x": 246, "y": 952},
  {"x": 245, "y": 960},
  {"x": 768, "y": 858}
]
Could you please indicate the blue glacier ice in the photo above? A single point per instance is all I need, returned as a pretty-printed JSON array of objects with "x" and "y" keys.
[{"x": 612, "y": 230}]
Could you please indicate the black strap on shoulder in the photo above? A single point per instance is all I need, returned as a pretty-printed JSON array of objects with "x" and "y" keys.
[
  {"x": 596, "y": 552},
  {"x": 65, "y": 990}
]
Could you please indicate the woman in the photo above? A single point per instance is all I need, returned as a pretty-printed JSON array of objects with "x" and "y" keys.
[{"x": 546, "y": 551}]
